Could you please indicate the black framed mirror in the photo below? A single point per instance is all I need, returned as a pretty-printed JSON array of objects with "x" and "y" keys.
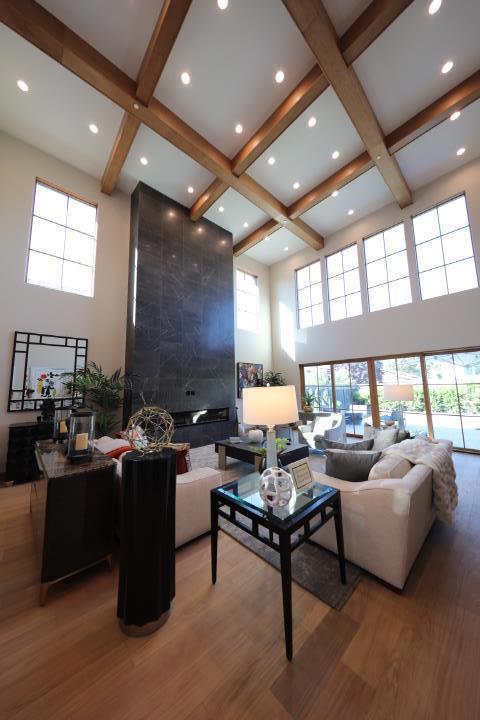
[{"x": 38, "y": 364}]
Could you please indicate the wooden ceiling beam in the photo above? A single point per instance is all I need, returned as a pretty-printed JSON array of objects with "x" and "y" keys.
[
  {"x": 208, "y": 198},
  {"x": 316, "y": 27},
  {"x": 167, "y": 27},
  {"x": 32, "y": 22},
  {"x": 255, "y": 237},
  {"x": 437, "y": 112}
]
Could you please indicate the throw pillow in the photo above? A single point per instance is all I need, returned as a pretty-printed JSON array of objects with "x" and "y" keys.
[
  {"x": 361, "y": 445},
  {"x": 353, "y": 466},
  {"x": 403, "y": 435},
  {"x": 390, "y": 466},
  {"x": 385, "y": 438}
]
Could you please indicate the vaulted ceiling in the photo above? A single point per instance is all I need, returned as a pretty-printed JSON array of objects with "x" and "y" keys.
[{"x": 364, "y": 107}]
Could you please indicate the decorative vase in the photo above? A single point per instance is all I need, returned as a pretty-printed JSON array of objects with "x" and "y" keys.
[
  {"x": 255, "y": 436},
  {"x": 276, "y": 487}
]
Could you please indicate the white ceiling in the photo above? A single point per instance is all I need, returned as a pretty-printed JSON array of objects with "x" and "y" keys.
[
  {"x": 56, "y": 112},
  {"x": 304, "y": 154},
  {"x": 343, "y": 13},
  {"x": 232, "y": 57},
  {"x": 119, "y": 29},
  {"x": 237, "y": 210},
  {"x": 401, "y": 70},
  {"x": 169, "y": 170},
  {"x": 434, "y": 153},
  {"x": 272, "y": 250},
  {"x": 364, "y": 195}
]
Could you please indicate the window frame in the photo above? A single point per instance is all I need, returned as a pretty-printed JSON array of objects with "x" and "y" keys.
[
  {"x": 297, "y": 270},
  {"x": 79, "y": 198},
  {"x": 257, "y": 296},
  {"x": 385, "y": 256},
  {"x": 435, "y": 206},
  {"x": 327, "y": 278}
]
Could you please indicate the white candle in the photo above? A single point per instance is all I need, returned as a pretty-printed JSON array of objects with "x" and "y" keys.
[
  {"x": 63, "y": 427},
  {"x": 81, "y": 441}
]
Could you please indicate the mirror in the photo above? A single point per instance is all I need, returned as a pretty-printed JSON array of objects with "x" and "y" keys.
[{"x": 38, "y": 363}]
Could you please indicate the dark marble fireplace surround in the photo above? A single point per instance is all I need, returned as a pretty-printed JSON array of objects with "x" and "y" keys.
[{"x": 180, "y": 330}]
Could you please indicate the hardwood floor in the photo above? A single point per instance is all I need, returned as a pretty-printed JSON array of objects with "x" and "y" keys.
[{"x": 220, "y": 656}]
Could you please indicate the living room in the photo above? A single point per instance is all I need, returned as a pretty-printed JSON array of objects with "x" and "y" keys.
[{"x": 241, "y": 252}]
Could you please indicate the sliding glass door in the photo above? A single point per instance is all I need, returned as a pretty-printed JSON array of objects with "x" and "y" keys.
[
  {"x": 352, "y": 394},
  {"x": 402, "y": 371},
  {"x": 318, "y": 382}
]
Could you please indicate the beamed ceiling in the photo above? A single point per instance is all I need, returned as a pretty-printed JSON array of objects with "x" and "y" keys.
[{"x": 369, "y": 73}]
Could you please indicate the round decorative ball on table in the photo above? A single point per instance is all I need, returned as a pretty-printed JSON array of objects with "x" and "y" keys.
[
  {"x": 150, "y": 429},
  {"x": 276, "y": 487}
]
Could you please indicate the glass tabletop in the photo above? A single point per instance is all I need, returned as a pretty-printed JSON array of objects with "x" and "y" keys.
[{"x": 245, "y": 492}]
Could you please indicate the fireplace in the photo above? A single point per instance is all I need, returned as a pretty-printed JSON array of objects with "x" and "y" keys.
[
  {"x": 199, "y": 417},
  {"x": 204, "y": 427}
]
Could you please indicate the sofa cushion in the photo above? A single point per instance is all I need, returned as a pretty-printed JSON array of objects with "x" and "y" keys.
[
  {"x": 361, "y": 445},
  {"x": 403, "y": 435},
  {"x": 353, "y": 466},
  {"x": 384, "y": 438},
  {"x": 390, "y": 466}
]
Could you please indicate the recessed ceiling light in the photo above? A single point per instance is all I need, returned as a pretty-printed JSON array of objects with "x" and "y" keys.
[
  {"x": 93, "y": 128},
  {"x": 238, "y": 129},
  {"x": 335, "y": 193},
  {"x": 221, "y": 208},
  {"x": 378, "y": 157},
  {"x": 434, "y": 6},
  {"x": 190, "y": 190},
  {"x": 136, "y": 106},
  {"x": 144, "y": 161},
  {"x": 22, "y": 85},
  {"x": 245, "y": 224},
  {"x": 185, "y": 78},
  {"x": 447, "y": 67},
  {"x": 312, "y": 121},
  {"x": 335, "y": 154},
  {"x": 350, "y": 212},
  {"x": 460, "y": 151},
  {"x": 286, "y": 248},
  {"x": 279, "y": 76},
  {"x": 271, "y": 160},
  {"x": 267, "y": 237},
  {"x": 455, "y": 115},
  {"x": 296, "y": 185},
  {"x": 223, "y": 4}
]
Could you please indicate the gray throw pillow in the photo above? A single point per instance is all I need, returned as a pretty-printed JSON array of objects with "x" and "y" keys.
[
  {"x": 353, "y": 466},
  {"x": 385, "y": 438},
  {"x": 361, "y": 445},
  {"x": 402, "y": 435}
]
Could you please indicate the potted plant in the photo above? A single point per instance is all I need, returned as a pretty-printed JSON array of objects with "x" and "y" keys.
[
  {"x": 272, "y": 377},
  {"x": 308, "y": 400},
  {"x": 103, "y": 393}
]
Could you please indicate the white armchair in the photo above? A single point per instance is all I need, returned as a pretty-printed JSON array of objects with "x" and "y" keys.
[{"x": 328, "y": 426}]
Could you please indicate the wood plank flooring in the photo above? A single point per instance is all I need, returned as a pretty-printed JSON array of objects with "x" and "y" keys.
[{"x": 220, "y": 656}]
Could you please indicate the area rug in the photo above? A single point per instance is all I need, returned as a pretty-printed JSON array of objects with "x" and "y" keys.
[{"x": 313, "y": 568}]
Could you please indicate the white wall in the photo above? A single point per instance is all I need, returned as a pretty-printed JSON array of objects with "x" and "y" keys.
[
  {"x": 440, "y": 323},
  {"x": 255, "y": 347},
  {"x": 101, "y": 319}
]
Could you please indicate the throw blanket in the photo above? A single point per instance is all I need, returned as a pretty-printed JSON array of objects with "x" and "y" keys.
[{"x": 423, "y": 451}]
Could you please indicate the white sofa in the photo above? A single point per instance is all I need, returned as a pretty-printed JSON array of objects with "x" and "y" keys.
[
  {"x": 385, "y": 521},
  {"x": 330, "y": 426}
]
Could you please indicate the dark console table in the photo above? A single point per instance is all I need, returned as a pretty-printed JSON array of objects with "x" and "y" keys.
[{"x": 72, "y": 506}]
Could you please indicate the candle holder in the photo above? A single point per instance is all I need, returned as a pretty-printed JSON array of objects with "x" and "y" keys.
[
  {"x": 81, "y": 436},
  {"x": 61, "y": 422}
]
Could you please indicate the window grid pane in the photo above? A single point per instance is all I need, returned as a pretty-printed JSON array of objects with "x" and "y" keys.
[
  {"x": 309, "y": 296},
  {"x": 60, "y": 257},
  {"x": 443, "y": 244},
  {"x": 384, "y": 268},
  {"x": 344, "y": 284},
  {"x": 247, "y": 296}
]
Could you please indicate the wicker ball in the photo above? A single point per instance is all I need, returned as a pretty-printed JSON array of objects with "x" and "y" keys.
[{"x": 150, "y": 429}]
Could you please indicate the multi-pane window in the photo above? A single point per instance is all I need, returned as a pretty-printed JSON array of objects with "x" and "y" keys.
[
  {"x": 352, "y": 394},
  {"x": 402, "y": 371},
  {"x": 247, "y": 301},
  {"x": 318, "y": 382},
  {"x": 309, "y": 295},
  {"x": 344, "y": 284},
  {"x": 444, "y": 249},
  {"x": 387, "y": 269},
  {"x": 61, "y": 255}
]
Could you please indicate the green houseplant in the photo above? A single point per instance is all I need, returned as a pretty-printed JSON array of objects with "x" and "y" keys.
[
  {"x": 308, "y": 399},
  {"x": 103, "y": 393},
  {"x": 271, "y": 377}
]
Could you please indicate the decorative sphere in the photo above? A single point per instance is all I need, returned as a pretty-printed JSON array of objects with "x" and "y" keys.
[
  {"x": 275, "y": 487},
  {"x": 150, "y": 429},
  {"x": 255, "y": 436}
]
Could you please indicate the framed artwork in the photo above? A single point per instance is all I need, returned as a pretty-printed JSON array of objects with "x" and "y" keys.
[
  {"x": 301, "y": 474},
  {"x": 248, "y": 375}
]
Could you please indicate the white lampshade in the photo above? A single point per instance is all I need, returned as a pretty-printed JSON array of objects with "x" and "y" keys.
[
  {"x": 275, "y": 405},
  {"x": 398, "y": 393}
]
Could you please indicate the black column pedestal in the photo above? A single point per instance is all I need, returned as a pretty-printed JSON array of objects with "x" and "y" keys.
[{"x": 147, "y": 541}]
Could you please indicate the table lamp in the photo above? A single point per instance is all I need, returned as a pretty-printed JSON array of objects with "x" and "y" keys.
[
  {"x": 399, "y": 394},
  {"x": 270, "y": 406}
]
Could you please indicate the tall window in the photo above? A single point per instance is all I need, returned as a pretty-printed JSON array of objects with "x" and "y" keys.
[
  {"x": 318, "y": 382},
  {"x": 61, "y": 255},
  {"x": 344, "y": 284},
  {"x": 247, "y": 301},
  {"x": 444, "y": 249},
  {"x": 309, "y": 295},
  {"x": 402, "y": 371},
  {"x": 352, "y": 394},
  {"x": 387, "y": 269}
]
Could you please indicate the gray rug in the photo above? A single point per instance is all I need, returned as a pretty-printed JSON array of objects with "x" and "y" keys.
[{"x": 313, "y": 568}]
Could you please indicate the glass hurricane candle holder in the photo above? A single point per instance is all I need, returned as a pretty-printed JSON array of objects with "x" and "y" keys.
[
  {"x": 81, "y": 436},
  {"x": 61, "y": 422}
]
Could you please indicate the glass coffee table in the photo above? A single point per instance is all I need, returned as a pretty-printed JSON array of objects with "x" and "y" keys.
[{"x": 307, "y": 512}]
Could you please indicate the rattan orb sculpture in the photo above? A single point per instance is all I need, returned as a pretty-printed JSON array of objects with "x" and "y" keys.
[{"x": 150, "y": 429}]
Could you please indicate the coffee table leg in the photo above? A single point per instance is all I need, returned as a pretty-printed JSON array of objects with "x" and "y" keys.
[
  {"x": 286, "y": 569},
  {"x": 222, "y": 457},
  {"x": 339, "y": 533},
  {"x": 214, "y": 535}
]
